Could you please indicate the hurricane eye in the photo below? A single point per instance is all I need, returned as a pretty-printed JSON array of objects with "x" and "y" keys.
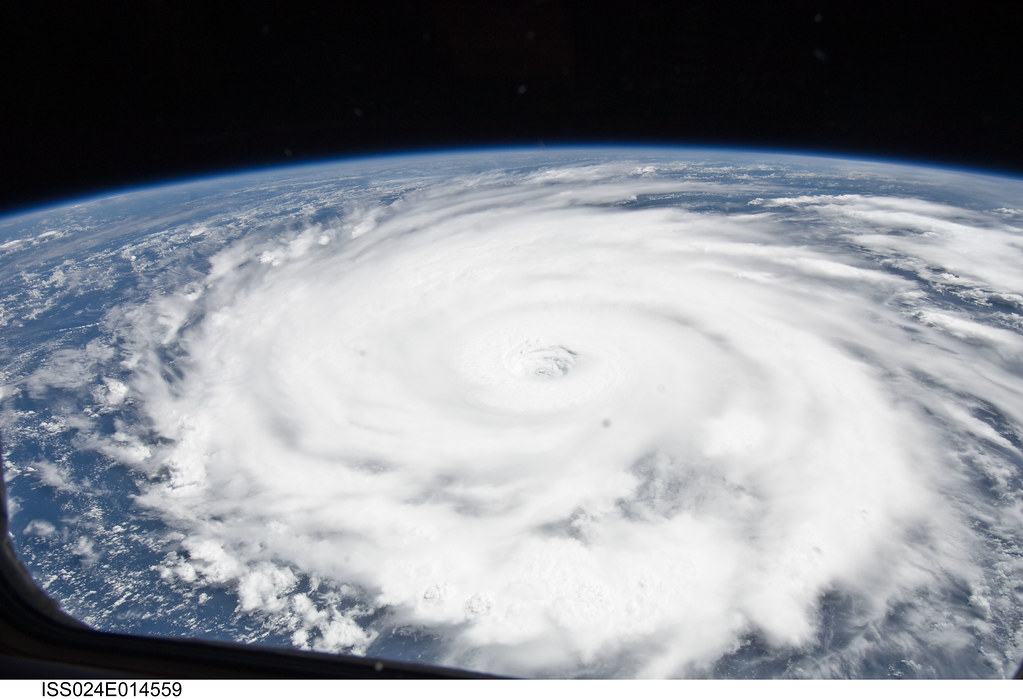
[{"x": 543, "y": 362}]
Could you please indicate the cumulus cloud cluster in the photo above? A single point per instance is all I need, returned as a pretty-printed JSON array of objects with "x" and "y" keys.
[{"x": 593, "y": 421}]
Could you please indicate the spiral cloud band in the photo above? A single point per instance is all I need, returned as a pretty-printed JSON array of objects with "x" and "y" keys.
[{"x": 642, "y": 417}]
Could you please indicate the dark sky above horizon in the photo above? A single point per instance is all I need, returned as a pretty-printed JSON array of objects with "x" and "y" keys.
[{"x": 98, "y": 99}]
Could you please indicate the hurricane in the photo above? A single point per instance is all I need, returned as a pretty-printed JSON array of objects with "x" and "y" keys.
[{"x": 585, "y": 413}]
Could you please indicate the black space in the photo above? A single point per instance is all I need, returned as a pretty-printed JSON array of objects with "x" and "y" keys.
[{"x": 103, "y": 95}]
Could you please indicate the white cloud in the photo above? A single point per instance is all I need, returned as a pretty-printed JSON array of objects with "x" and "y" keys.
[
  {"x": 52, "y": 475},
  {"x": 39, "y": 527},
  {"x": 85, "y": 549}
]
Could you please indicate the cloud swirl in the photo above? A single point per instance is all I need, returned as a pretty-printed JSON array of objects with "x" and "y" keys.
[{"x": 640, "y": 418}]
